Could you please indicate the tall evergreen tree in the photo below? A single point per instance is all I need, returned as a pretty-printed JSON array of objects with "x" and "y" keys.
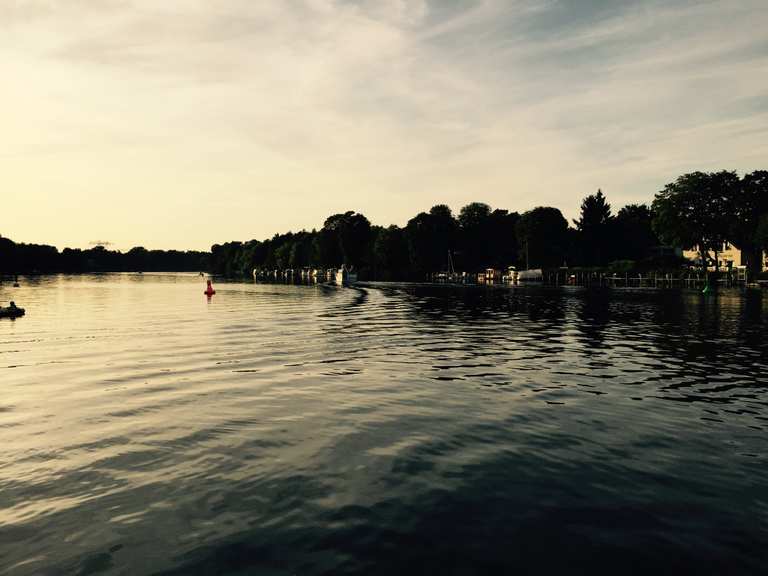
[{"x": 594, "y": 227}]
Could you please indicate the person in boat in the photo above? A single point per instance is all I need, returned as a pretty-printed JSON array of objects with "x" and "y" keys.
[{"x": 12, "y": 311}]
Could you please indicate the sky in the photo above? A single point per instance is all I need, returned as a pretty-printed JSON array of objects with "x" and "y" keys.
[{"x": 183, "y": 123}]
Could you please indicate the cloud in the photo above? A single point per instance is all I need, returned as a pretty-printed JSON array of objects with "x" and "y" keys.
[{"x": 386, "y": 106}]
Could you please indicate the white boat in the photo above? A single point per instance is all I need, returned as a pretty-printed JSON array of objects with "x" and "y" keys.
[
  {"x": 533, "y": 275},
  {"x": 345, "y": 277}
]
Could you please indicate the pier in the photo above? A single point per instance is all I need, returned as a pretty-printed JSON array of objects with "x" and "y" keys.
[{"x": 689, "y": 280}]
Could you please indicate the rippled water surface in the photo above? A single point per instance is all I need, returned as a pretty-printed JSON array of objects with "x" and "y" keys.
[{"x": 385, "y": 429}]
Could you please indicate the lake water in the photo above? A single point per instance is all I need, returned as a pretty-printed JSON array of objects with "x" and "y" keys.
[{"x": 385, "y": 429}]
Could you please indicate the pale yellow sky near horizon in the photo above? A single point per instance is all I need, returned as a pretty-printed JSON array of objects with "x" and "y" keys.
[{"x": 182, "y": 124}]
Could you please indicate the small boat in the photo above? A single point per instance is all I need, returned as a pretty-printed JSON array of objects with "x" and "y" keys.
[
  {"x": 532, "y": 275},
  {"x": 11, "y": 311},
  {"x": 511, "y": 276},
  {"x": 345, "y": 277}
]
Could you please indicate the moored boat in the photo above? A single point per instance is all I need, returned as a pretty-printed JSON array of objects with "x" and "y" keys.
[
  {"x": 345, "y": 277},
  {"x": 511, "y": 276},
  {"x": 532, "y": 275}
]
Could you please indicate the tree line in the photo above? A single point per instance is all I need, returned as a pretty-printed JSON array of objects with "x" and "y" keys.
[
  {"x": 698, "y": 210},
  {"x": 479, "y": 237},
  {"x": 705, "y": 211},
  {"x": 41, "y": 258}
]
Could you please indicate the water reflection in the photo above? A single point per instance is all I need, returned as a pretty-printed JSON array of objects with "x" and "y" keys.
[{"x": 384, "y": 429}]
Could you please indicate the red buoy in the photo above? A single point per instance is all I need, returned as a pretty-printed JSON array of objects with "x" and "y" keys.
[{"x": 209, "y": 291}]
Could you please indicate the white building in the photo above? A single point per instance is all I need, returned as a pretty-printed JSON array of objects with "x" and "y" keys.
[{"x": 729, "y": 256}]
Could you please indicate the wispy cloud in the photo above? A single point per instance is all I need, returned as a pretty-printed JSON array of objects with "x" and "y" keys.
[{"x": 386, "y": 106}]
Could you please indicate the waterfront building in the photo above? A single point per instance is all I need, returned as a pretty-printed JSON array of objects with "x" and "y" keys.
[{"x": 729, "y": 257}]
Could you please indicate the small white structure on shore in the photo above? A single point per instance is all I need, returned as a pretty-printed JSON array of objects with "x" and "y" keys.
[
  {"x": 533, "y": 275},
  {"x": 345, "y": 277}
]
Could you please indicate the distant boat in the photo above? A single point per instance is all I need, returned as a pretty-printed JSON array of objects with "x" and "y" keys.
[
  {"x": 511, "y": 276},
  {"x": 534, "y": 275},
  {"x": 345, "y": 277},
  {"x": 11, "y": 311}
]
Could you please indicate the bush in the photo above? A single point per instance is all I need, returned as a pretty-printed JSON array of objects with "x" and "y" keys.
[{"x": 621, "y": 266}]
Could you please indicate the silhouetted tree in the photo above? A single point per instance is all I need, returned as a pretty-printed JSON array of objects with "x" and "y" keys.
[
  {"x": 41, "y": 258},
  {"x": 474, "y": 220},
  {"x": 301, "y": 251},
  {"x": 698, "y": 209},
  {"x": 543, "y": 235},
  {"x": 283, "y": 255},
  {"x": 750, "y": 212},
  {"x": 327, "y": 248},
  {"x": 633, "y": 234},
  {"x": 352, "y": 234},
  {"x": 430, "y": 237},
  {"x": 594, "y": 227},
  {"x": 502, "y": 239},
  {"x": 390, "y": 253},
  {"x": 694, "y": 211}
]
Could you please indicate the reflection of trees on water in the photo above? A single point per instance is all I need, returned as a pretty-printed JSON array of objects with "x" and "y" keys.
[
  {"x": 672, "y": 345},
  {"x": 593, "y": 316},
  {"x": 486, "y": 335},
  {"x": 752, "y": 320},
  {"x": 681, "y": 346},
  {"x": 706, "y": 349},
  {"x": 491, "y": 320},
  {"x": 441, "y": 305}
]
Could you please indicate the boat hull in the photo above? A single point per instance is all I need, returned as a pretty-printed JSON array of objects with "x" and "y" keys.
[
  {"x": 12, "y": 312},
  {"x": 344, "y": 278}
]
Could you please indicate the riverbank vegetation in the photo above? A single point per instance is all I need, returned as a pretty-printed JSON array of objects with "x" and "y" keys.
[
  {"x": 41, "y": 258},
  {"x": 701, "y": 210}
]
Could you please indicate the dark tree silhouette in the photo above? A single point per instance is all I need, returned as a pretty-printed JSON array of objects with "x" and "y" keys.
[
  {"x": 762, "y": 233},
  {"x": 543, "y": 237},
  {"x": 594, "y": 227},
  {"x": 503, "y": 238},
  {"x": 40, "y": 258},
  {"x": 632, "y": 232},
  {"x": 475, "y": 223},
  {"x": 390, "y": 253},
  {"x": 430, "y": 237},
  {"x": 694, "y": 211},
  {"x": 750, "y": 216},
  {"x": 698, "y": 209}
]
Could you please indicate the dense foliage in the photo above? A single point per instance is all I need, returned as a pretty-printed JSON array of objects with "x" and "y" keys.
[
  {"x": 479, "y": 237},
  {"x": 699, "y": 210},
  {"x": 39, "y": 258},
  {"x": 703, "y": 210}
]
